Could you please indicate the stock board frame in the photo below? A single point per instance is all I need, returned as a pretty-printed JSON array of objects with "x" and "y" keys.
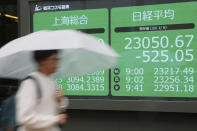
[{"x": 160, "y": 104}]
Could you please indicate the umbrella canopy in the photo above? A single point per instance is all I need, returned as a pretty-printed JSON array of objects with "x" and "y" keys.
[{"x": 80, "y": 53}]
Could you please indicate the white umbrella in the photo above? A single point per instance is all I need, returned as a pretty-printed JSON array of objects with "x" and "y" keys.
[{"x": 80, "y": 53}]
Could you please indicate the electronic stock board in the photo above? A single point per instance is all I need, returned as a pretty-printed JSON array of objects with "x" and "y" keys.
[
  {"x": 156, "y": 44},
  {"x": 156, "y": 41}
]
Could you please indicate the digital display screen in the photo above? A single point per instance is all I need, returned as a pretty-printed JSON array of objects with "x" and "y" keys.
[
  {"x": 93, "y": 21},
  {"x": 156, "y": 42}
]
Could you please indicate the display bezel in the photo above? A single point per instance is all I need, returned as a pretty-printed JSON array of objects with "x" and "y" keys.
[{"x": 164, "y": 104}]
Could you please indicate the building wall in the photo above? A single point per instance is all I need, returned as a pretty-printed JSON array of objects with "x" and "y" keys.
[{"x": 89, "y": 120}]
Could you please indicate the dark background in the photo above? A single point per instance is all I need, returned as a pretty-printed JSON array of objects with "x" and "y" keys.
[
  {"x": 8, "y": 26},
  {"x": 8, "y": 32}
]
